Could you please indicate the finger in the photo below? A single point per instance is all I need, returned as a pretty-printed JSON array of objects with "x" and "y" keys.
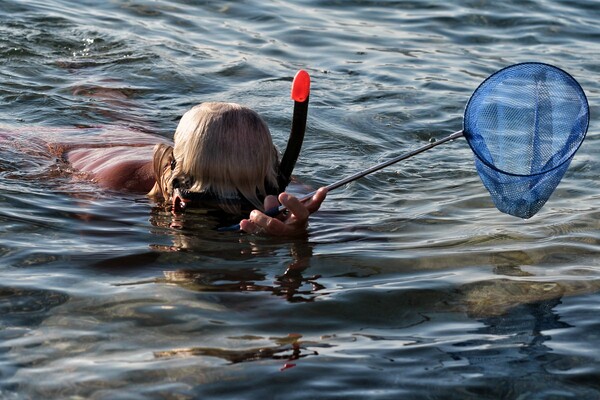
[
  {"x": 293, "y": 204},
  {"x": 248, "y": 226},
  {"x": 315, "y": 202},
  {"x": 271, "y": 202},
  {"x": 272, "y": 226}
]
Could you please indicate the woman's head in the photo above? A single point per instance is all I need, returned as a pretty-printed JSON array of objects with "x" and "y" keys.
[{"x": 220, "y": 148}]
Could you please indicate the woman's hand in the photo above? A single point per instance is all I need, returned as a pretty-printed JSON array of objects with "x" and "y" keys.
[{"x": 293, "y": 223}]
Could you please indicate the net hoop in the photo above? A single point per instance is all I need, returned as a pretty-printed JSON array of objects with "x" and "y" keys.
[{"x": 475, "y": 139}]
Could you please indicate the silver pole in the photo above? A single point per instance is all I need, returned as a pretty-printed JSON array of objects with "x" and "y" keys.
[{"x": 384, "y": 164}]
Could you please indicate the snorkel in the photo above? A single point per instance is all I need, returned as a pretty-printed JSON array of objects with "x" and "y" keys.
[{"x": 300, "y": 95}]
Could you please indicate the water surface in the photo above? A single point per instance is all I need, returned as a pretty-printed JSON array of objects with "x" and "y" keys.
[{"x": 410, "y": 283}]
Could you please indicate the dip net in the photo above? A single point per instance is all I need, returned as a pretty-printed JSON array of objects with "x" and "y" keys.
[{"x": 524, "y": 124}]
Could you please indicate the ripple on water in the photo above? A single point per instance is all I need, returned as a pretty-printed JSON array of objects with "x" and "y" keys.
[{"x": 409, "y": 284}]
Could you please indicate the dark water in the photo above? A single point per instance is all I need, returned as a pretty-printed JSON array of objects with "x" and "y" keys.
[{"x": 410, "y": 283}]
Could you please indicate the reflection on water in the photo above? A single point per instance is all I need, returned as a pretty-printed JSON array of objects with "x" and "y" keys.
[
  {"x": 292, "y": 285},
  {"x": 288, "y": 349},
  {"x": 409, "y": 284}
]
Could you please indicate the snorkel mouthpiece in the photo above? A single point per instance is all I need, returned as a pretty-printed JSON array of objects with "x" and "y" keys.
[{"x": 181, "y": 199}]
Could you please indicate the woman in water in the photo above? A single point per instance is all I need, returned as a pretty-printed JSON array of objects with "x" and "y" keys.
[{"x": 222, "y": 156}]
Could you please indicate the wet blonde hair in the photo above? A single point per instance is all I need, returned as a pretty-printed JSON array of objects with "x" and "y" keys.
[{"x": 222, "y": 148}]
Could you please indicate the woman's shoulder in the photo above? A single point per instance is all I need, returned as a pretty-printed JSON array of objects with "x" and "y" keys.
[{"x": 117, "y": 168}]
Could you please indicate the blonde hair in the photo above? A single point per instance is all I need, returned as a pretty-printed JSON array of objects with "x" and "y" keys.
[{"x": 225, "y": 149}]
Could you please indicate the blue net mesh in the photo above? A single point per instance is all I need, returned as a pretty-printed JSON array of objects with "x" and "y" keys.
[{"x": 524, "y": 124}]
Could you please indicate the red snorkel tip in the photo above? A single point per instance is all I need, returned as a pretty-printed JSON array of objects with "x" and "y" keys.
[{"x": 301, "y": 86}]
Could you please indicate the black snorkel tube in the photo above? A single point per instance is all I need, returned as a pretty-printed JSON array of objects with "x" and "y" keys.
[{"x": 300, "y": 95}]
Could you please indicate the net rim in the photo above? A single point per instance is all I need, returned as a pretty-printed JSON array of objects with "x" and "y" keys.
[{"x": 483, "y": 84}]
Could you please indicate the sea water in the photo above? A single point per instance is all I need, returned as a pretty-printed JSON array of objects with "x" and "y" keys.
[{"x": 409, "y": 284}]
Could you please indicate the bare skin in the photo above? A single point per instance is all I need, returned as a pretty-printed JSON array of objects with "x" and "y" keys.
[{"x": 116, "y": 168}]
